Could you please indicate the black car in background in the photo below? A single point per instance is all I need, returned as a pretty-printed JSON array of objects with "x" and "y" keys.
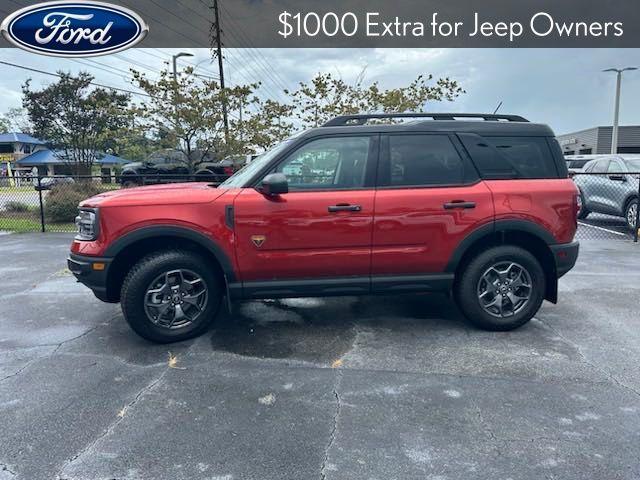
[{"x": 169, "y": 168}]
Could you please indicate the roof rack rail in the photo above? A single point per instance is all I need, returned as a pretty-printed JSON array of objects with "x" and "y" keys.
[{"x": 361, "y": 119}]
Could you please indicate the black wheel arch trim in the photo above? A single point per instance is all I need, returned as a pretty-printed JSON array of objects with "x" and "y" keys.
[
  {"x": 493, "y": 227},
  {"x": 172, "y": 231}
]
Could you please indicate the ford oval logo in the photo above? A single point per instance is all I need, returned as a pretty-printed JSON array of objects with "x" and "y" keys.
[{"x": 74, "y": 29}]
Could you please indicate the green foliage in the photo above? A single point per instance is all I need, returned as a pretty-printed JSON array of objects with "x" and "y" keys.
[
  {"x": 5, "y": 125},
  {"x": 61, "y": 203},
  {"x": 75, "y": 118},
  {"x": 326, "y": 97},
  {"x": 16, "y": 207}
]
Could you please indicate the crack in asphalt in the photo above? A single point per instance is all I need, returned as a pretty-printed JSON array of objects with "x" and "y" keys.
[
  {"x": 109, "y": 430},
  {"x": 5, "y": 468},
  {"x": 50, "y": 354},
  {"x": 596, "y": 367},
  {"x": 334, "y": 428}
]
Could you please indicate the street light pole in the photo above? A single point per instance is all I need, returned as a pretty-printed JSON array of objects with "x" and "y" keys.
[
  {"x": 616, "y": 110},
  {"x": 174, "y": 59}
]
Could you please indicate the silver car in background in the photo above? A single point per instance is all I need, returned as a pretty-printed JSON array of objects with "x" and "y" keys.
[{"x": 609, "y": 185}]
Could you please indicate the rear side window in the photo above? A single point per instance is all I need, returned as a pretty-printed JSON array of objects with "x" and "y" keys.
[
  {"x": 423, "y": 160},
  {"x": 600, "y": 166},
  {"x": 511, "y": 157}
]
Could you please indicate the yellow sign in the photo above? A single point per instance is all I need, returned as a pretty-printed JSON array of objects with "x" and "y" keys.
[{"x": 6, "y": 157}]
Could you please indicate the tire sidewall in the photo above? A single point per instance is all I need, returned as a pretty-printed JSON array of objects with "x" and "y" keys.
[
  {"x": 584, "y": 212},
  {"x": 626, "y": 213},
  {"x": 135, "y": 287},
  {"x": 467, "y": 292}
]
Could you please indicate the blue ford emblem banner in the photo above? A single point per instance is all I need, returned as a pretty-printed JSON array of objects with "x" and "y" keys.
[{"x": 74, "y": 29}]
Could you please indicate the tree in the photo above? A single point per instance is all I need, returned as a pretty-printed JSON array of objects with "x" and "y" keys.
[
  {"x": 325, "y": 97},
  {"x": 17, "y": 120},
  {"x": 267, "y": 126},
  {"x": 5, "y": 125},
  {"x": 76, "y": 120},
  {"x": 186, "y": 113}
]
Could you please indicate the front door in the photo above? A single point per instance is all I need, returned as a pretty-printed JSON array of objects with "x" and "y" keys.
[
  {"x": 429, "y": 198},
  {"x": 322, "y": 228}
]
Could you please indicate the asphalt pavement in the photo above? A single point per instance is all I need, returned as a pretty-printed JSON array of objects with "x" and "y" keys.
[{"x": 342, "y": 388}]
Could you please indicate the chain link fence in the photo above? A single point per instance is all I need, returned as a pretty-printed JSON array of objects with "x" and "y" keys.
[
  {"x": 50, "y": 204},
  {"x": 608, "y": 205},
  {"x": 608, "y": 202}
]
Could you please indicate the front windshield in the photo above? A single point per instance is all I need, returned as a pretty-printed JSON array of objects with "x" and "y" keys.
[{"x": 240, "y": 178}]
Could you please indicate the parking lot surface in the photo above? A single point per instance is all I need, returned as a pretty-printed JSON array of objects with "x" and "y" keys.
[{"x": 342, "y": 388}]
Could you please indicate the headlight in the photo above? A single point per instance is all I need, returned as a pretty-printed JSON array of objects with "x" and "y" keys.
[{"x": 87, "y": 223}]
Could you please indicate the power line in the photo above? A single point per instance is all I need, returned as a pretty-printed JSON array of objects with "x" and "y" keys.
[
  {"x": 260, "y": 57},
  {"x": 43, "y": 72}
]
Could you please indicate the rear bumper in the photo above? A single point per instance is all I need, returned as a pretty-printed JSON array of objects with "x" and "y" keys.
[
  {"x": 565, "y": 256},
  {"x": 89, "y": 272}
]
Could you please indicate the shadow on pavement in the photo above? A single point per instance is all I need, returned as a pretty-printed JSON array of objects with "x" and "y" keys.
[{"x": 323, "y": 329}]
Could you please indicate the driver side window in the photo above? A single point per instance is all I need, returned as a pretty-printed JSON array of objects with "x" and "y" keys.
[{"x": 327, "y": 164}]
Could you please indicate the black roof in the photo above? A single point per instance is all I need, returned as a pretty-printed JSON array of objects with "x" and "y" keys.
[{"x": 487, "y": 124}]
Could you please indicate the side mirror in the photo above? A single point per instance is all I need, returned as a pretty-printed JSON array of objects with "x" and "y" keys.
[
  {"x": 274, "y": 184},
  {"x": 618, "y": 178}
]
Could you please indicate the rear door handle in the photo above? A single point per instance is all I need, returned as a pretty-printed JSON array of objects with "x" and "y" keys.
[
  {"x": 459, "y": 204},
  {"x": 344, "y": 207}
]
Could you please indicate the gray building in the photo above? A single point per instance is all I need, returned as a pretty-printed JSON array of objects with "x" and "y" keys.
[{"x": 597, "y": 140}]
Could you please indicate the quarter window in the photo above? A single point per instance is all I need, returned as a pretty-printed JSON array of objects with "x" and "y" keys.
[
  {"x": 422, "y": 160},
  {"x": 530, "y": 157},
  {"x": 328, "y": 163},
  {"x": 615, "y": 167},
  {"x": 600, "y": 166}
]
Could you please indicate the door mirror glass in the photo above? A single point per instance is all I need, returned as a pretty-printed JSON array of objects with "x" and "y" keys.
[{"x": 274, "y": 184}]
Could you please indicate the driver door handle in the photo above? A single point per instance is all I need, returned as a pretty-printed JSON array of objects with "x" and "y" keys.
[{"x": 344, "y": 207}]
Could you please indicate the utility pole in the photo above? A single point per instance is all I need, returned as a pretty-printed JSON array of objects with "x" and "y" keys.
[
  {"x": 616, "y": 109},
  {"x": 218, "y": 45}
]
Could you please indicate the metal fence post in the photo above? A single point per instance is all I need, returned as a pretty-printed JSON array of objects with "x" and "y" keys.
[
  {"x": 41, "y": 205},
  {"x": 637, "y": 227}
]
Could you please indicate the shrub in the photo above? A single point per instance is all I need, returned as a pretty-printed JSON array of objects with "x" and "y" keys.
[
  {"x": 61, "y": 204},
  {"x": 16, "y": 207}
]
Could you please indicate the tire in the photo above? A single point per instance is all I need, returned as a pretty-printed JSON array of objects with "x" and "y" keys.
[
  {"x": 583, "y": 213},
  {"x": 630, "y": 213},
  {"x": 130, "y": 183},
  {"x": 472, "y": 289},
  {"x": 150, "y": 274}
]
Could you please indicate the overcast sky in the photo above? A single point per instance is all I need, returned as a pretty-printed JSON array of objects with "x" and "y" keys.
[{"x": 564, "y": 88}]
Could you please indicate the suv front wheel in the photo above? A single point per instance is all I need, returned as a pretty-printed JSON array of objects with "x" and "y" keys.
[
  {"x": 170, "y": 296},
  {"x": 501, "y": 288}
]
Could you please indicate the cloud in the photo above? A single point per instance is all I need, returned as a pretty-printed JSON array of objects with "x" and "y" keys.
[{"x": 562, "y": 87}]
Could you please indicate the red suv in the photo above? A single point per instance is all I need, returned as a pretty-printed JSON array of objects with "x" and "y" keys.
[{"x": 476, "y": 205}]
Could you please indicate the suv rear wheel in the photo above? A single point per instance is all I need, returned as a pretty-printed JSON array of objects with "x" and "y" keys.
[
  {"x": 501, "y": 288},
  {"x": 171, "y": 296}
]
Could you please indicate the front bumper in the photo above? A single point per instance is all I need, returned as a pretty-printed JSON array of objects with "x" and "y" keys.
[
  {"x": 91, "y": 272},
  {"x": 565, "y": 256}
]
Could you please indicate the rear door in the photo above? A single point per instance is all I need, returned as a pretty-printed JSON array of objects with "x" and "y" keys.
[
  {"x": 429, "y": 198},
  {"x": 618, "y": 189},
  {"x": 596, "y": 187}
]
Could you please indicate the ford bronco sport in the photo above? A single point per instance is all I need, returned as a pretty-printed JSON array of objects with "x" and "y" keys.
[{"x": 476, "y": 205}]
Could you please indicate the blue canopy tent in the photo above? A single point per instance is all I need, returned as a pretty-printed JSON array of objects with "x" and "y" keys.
[{"x": 48, "y": 163}]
